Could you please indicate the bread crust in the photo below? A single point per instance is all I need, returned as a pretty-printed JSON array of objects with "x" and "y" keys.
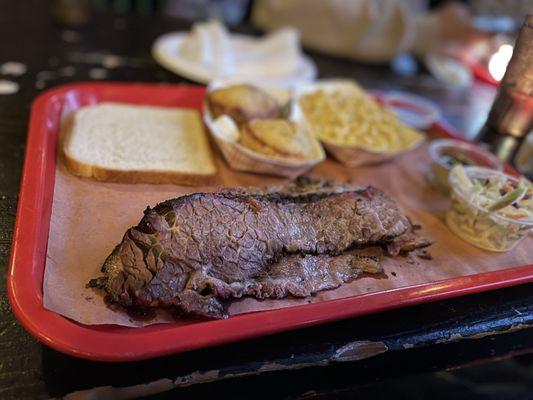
[{"x": 124, "y": 176}]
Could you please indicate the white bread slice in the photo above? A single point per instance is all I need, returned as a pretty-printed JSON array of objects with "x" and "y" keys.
[{"x": 137, "y": 144}]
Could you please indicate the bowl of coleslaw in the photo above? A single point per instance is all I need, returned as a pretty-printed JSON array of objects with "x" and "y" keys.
[{"x": 489, "y": 209}]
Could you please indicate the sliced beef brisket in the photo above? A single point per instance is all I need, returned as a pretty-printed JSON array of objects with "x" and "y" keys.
[{"x": 268, "y": 242}]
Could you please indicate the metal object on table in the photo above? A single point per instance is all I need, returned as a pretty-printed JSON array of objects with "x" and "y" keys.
[
  {"x": 524, "y": 157},
  {"x": 511, "y": 116}
]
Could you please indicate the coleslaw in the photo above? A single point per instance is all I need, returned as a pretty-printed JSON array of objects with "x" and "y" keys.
[{"x": 489, "y": 209}]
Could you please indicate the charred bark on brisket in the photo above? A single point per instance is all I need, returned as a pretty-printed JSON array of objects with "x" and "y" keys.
[{"x": 270, "y": 242}]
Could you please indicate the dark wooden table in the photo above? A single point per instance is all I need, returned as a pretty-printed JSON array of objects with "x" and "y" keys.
[{"x": 336, "y": 360}]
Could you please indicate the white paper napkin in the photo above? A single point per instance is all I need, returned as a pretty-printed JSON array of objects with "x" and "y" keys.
[
  {"x": 209, "y": 44},
  {"x": 212, "y": 46}
]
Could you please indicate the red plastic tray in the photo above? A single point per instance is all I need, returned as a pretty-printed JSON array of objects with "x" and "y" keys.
[{"x": 115, "y": 343}]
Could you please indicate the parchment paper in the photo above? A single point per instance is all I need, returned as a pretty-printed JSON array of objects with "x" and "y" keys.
[{"x": 89, "y": 218}]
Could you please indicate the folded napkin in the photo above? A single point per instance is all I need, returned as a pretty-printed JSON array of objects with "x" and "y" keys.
[
  {"x": 209, "y": 44},
  {"x": 212, "y": 46}
]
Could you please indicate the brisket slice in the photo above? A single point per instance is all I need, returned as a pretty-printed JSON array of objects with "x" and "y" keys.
[{"x": 268, "y": 242}]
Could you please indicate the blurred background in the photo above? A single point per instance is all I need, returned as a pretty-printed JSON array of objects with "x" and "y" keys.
[{"x": 446, "y": 51}]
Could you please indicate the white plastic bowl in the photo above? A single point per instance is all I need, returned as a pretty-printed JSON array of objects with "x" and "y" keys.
[{"x": 440, "y": 169}]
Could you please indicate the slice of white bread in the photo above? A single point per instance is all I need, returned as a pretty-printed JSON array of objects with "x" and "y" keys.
[{"x": 137, "y": 144}]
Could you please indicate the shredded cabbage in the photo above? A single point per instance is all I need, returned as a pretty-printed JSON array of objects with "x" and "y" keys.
[{"x": 488, "y": 209}]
